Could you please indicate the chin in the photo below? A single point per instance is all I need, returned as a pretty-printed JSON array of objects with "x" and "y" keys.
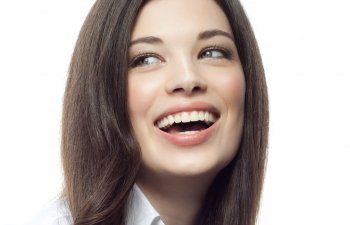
[{"x": 187, "y": 168}]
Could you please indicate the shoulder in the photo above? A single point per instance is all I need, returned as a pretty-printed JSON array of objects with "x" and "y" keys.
[{"x": 57, "y": 213}]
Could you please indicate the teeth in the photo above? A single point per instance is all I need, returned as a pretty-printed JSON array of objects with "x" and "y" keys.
[
  {"x": 165, "y": 121},
  {"x": 171, "y": 120},
  {"x": 194, "y": 116},
  {"x": 185, "y": 117},
  {"x": 211, "y": 118},
  {"x": 189, "y": 132},
  {"x": 177, "y": 118},
  {"x": 201, "y": 116},
  {"x": 206, "y": 116}
]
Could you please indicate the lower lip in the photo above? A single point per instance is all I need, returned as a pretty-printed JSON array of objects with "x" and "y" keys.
[{"x": 189, "y": 139}]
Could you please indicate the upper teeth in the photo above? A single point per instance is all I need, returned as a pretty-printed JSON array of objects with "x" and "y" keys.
[{"x": 185, "y": 117}]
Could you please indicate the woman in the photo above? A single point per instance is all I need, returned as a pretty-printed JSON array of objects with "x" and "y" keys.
[{"x": 165, "y": 116}]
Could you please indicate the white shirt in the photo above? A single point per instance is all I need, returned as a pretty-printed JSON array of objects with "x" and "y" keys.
[{"x": 140, "y": 212}]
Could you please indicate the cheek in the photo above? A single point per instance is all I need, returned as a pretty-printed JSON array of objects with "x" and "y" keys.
[
  {"x": 233, "y": 92},
  {"x": 142, "y": 91},
  {"x": 134, "y": 97},
  {"x": 230, "y": 86}
]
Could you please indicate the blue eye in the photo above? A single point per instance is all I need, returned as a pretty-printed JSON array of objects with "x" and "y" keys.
[
  {"x": 144, "y": 60},
  {"x": 216, "y": 53}
]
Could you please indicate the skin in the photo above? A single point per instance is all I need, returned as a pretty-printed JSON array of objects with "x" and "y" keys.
[{"x": 180, "y": 69}]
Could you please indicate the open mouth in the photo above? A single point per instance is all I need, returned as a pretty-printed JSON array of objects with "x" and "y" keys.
[{"x": 187, "y": 122}]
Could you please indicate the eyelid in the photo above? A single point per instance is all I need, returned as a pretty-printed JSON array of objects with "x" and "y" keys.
[
  {"x": 228, "y": 53},
  {"x": 141, "y": 55}
]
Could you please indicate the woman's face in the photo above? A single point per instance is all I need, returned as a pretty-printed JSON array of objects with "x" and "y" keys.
[{"x": 186, "y": 88}]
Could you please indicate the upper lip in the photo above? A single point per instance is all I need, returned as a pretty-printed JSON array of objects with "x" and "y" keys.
[{"x": 189, "y": 107}]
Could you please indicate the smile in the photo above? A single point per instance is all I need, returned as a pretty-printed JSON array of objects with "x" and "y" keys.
[{"x": 187, "y": 122}]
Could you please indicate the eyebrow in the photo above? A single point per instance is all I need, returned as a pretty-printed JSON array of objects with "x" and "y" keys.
[
  {"x": 204, "y": 35},
  {"x": 147, "y": 40},
  {"x": 212, "y": 33}
]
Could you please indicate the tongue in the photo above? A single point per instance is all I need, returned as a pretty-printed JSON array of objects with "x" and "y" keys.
[{"x": 177, "y": 128}]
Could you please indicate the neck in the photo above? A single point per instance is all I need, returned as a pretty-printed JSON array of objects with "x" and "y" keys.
[{"x": 178, "y": 200}]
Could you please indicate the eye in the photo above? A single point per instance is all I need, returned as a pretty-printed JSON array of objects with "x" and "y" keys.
[
  {"x": 144, "y": 60},
  {"x": 216, "y": 53}
]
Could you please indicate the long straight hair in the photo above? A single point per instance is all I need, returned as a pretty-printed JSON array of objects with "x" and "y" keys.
[{"x": 101, "y": 156}]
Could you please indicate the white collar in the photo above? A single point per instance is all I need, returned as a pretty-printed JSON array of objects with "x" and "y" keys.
[{"x": 140, "y": 210}]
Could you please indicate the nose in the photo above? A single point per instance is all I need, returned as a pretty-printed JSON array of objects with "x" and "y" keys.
[{"x": 185, "y": 79}]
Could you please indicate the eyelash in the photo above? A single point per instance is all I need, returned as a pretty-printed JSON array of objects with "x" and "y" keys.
[
  {"x": 227, "y": 54},
  {"x": 141, "y": 56}
]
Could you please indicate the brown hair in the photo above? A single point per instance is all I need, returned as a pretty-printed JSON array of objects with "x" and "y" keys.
[{"x": 100, "y": 155}]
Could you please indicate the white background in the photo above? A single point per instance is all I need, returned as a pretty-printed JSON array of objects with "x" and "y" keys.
[{"x": 305, "y": 46}]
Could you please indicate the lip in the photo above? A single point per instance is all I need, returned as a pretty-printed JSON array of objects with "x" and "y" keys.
[
  {"x": 189, "y": 139},
  {"x": 188, "y": 107}
]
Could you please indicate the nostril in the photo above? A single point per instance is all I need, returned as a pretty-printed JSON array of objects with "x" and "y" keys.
[
  {"x": 189, "y": 90},
  {"x": 197, "y": 89},
  {"x": 187, "y": 86},
  {"x": 178, "y": 90}
]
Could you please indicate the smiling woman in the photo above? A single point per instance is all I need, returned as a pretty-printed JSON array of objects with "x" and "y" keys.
[
  {"x": 165, "y": 116},
  {"x": 191, "y": 83}
]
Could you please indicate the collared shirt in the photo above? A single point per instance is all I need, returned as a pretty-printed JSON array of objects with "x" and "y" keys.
[{"x": 140, "y": 212}]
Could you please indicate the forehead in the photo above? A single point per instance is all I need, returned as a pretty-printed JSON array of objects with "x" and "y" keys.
[{"x": 169, "y": 17}]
